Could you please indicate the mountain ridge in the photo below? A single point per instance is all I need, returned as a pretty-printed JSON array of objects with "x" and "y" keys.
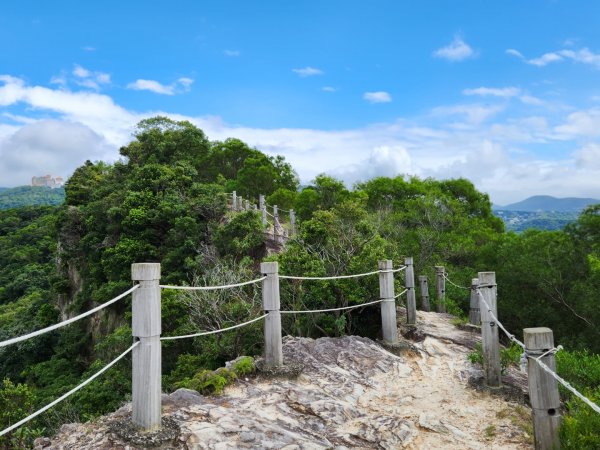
[{"x": 548, "y": 203}]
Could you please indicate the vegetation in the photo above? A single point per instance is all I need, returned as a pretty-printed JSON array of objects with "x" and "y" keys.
[
  {"x": 165, "y": 201},
  {"x": 31, "y": 196}
]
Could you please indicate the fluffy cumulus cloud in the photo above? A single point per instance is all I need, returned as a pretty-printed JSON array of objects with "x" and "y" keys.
[
  {"x": 85, "y": 78},
  {"x": 49, "y": 147},
  {"x": 181, "y": 85},
  {"x": 377, "y": 97},
  {"x": 383, "y": 161},
  {"x": 457, "y": 50}
]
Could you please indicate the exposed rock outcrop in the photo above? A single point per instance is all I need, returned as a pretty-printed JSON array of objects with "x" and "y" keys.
[{"x": 352, "y": 394}]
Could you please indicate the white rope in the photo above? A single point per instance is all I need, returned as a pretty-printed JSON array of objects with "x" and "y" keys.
[
  {"x": 72, "y": 391},
  {"x": 335, "y": 309},
  {"x": 211, "y": 288},
  {"x": 399, "y": 269},
  {"x": 566, "y": 384},
  {"x": 454, "y": 284},
  {"x": 338, "y": 277},
  {"x": 68, "y": 321},
  {"x": 537, "y": 359},
  {"x": 206, "y": 333},
  {"x": 509, "y": 335},
  {"x": 401, "y": 293}
]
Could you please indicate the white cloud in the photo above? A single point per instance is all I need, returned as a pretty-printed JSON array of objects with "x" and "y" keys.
[
  {"x": 473, "y": 113},
  {"x": 513, "y": 52},
  {"x": 456, "y": 140},
  {"x": 457, "y": 50},
  {"x": 383, "y": 161},
  {"x": 377, "y": 97},
  {"x": 50, "y": 146},
  {"x": 308, "y": 71},
  {"x": 85, "y": 78},
  {"x": 328, "y": 89},
  {"x": 80, "y": 72},
  {"x": 583, "y": 56},
  {"x": 182, "y": 84},
  {"x": 232, "y": 53},
  {"x": 494, "y": 92},
  {"x": 87, "y": 48},
  {"x": 588, "y": 156}
]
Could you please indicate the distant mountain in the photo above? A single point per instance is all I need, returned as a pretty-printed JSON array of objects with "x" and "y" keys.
[
  {"x": 30, "y": 196},
  {"x": 548, "y": 203}
]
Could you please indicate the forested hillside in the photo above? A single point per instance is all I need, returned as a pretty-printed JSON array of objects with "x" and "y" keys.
[
  {"x": 30, "y": 196},
  {"x": 165, "y": 201}
]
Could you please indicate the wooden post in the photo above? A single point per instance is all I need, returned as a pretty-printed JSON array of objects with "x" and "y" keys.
[
  {"x": 474, "y": 314},
  {"x": 440, "y": 289},
  {"x": 424, "y": 288},
  {"x": 543, "y": 388},
  {"x": 388, "y": 305},
  {"x": 240, "y": 205},
  {"x": 263, "y": 208},
  {"x": 146, "y": 356},
  {"x": 489, "y": 329},
  {"x": 276, "y": 225},
  {"x": 247, "y": 205},
  {"x": 409, "y": 283},
  {"x": 234, "y": 201},
  {"x": 292, "y": 222},
  {"x": 270, "y": 298}
]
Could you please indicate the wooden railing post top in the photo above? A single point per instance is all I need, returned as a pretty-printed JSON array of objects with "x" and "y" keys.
[
  {"x": 145, "y": 271},
  {"x": 474, "y": 281},
  {"x": 540, "y": 338},
  {"x": 385, "y": 264},
  {"x": 486, "y": 277},
  {"x": 439, "y": 269},
  {"x": 408, "y": 261},
  {"x": 267, "y": 268}
]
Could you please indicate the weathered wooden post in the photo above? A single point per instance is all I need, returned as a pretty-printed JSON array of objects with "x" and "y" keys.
[
  {"x": 263, "y": 209},
  {"x": 234, "y": 201},
  {"x": 292, "y": 222},
  {"x": 277, "y": 234},
  {"x": 489, "y": 329},
  {"x": 474, "y": 314},
  {"x": 440, "y": 289},
  {"x": 543, "y": 388},
  {"x": 240, "y": 205},
  {"x": 409, "y": 283},
  {"x": 146, "y": 328},
  {"x": 424, "y": 288},
  {"x": 270, "y": 298},
  {"x": 388, "y": 305}
]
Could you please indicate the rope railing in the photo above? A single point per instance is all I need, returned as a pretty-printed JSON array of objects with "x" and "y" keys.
[
  {"x": 401, "y": 294},
  {"x": 211, "y": 288},
  {"x": 454, "y": 284},
  {"x": 71, "y": 392},
  {"x": 206, "y": 333},
  {"x": 344, "y": 308},
  {"x": 341, "y": 277},
  {"x": 68, "y": 321},
  {"x": 537, "y": 358}
]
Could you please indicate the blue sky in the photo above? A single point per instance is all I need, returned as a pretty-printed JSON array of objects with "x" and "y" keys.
[{"x": 504, "y": 93}]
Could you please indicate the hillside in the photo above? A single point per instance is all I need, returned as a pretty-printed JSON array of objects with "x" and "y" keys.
[
  {"x": 30, "y": 196},
  {"x": 549, "y": 203},
  {"x": 351, "y": 394}
]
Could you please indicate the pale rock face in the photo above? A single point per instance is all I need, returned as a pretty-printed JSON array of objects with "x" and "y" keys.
[{"x": 352, "y": 394}]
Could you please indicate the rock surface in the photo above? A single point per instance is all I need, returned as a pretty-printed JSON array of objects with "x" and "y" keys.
[{"x": 352, "y": 394}]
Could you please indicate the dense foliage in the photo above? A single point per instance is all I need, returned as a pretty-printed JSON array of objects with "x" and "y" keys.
[
  {"x": 166, "y": 201},
  {"x": 31, "y": 196}
]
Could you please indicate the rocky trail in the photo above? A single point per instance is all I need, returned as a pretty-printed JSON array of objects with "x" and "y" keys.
[{"x": 352, "y": 394}]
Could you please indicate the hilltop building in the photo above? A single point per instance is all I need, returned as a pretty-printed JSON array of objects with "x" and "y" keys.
[{"x": 47, "y": 181}]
